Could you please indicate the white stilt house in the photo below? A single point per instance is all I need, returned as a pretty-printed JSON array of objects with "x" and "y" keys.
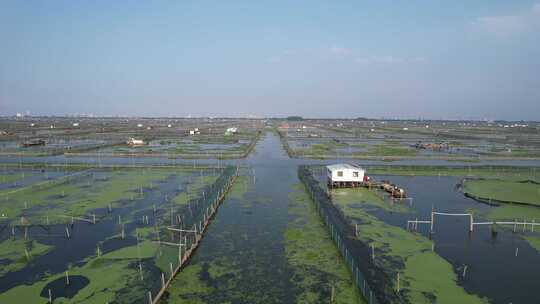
[{"x": 345, "y": 175}]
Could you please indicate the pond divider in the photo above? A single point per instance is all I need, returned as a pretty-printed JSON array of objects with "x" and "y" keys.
[
  {"x": 195, "y": 234},
  {"x": 413, "y": 224},
  {"x": 371, "y": 281}
]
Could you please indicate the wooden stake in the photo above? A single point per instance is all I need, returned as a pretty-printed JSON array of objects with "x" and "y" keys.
[
  {"x": 50, "y": 296},
  {"x": 397, "y": 282},
  {"x": 432, "y": 218},
  {"x": 180, "y": 253},
  {"x": 464, "y": 271},
  {"x": 517, "y": 250},
  {"x": 67, "y": 278},
  {"x": 67, "y": 232},
  {"x": 149, "y": 297}
]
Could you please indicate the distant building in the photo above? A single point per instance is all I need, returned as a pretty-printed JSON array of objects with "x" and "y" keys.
[
  {"x": 231, "y": 131},
  {"x": 345, "y": 175},
  {"x": 135, "y": 142}
]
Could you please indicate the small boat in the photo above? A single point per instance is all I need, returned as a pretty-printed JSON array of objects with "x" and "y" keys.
[{"x": 34, "y": 142}]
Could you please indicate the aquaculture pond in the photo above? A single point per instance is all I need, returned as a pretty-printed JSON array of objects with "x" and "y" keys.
[
  {"x": 100, "y": 235},
  {"x": 492, "y": 264},
  {"x": 51, "y": 146},
  {"x": 187, "y": 147},
  {"x": 13, "y": 178},
  {"x": 267, "y": 244}
]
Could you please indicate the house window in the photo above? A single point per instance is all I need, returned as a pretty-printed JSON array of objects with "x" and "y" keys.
[
  {"x": 340, "y": 173},
  {"x": 355, "y": 174}
]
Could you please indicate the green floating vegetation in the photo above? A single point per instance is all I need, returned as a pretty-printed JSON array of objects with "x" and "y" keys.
[
  {"x": 194, "y": 188},
  {"x": 14, "y": 177},
  {"x": 192, "y": 285},
  {"x": 316, "y": 262},
  {"x": 534, "y": 241},
  {"x": 504, "y": 191},
  {"x": 510, "y": 212},
  {"x": 390, "y": 150},
  {"x": 214, "y": 278},
  {"x": 321, "y": 148},
  {"x": 108, "y": 275},
  {"x": 410, "y": 254},
  {"x": 146, "y": 249},
  {"x": 370, "y": 197},
  {"x": 80, "y": 196},
  {"x": 239, "y": 188},
  {"x": 15, "y": 250}
]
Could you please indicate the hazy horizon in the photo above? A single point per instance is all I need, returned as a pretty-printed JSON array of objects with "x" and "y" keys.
[{"x": 416, "y": 59}]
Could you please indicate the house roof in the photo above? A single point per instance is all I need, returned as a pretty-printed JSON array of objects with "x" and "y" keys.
[{"x": 342, "y": 167}]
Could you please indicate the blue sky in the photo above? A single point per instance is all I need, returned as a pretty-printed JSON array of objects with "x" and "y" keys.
[{"x": 409, "y": 59}]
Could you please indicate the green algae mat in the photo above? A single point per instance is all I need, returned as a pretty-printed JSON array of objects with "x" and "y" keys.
[
  {"x": 523, "y": 192},
  {"x": 319, "y": 271}
]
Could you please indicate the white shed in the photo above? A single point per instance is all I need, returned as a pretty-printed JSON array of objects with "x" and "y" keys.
[
  {"x": 345, "y": 175},
  {"x": 135, "y": 142}
]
